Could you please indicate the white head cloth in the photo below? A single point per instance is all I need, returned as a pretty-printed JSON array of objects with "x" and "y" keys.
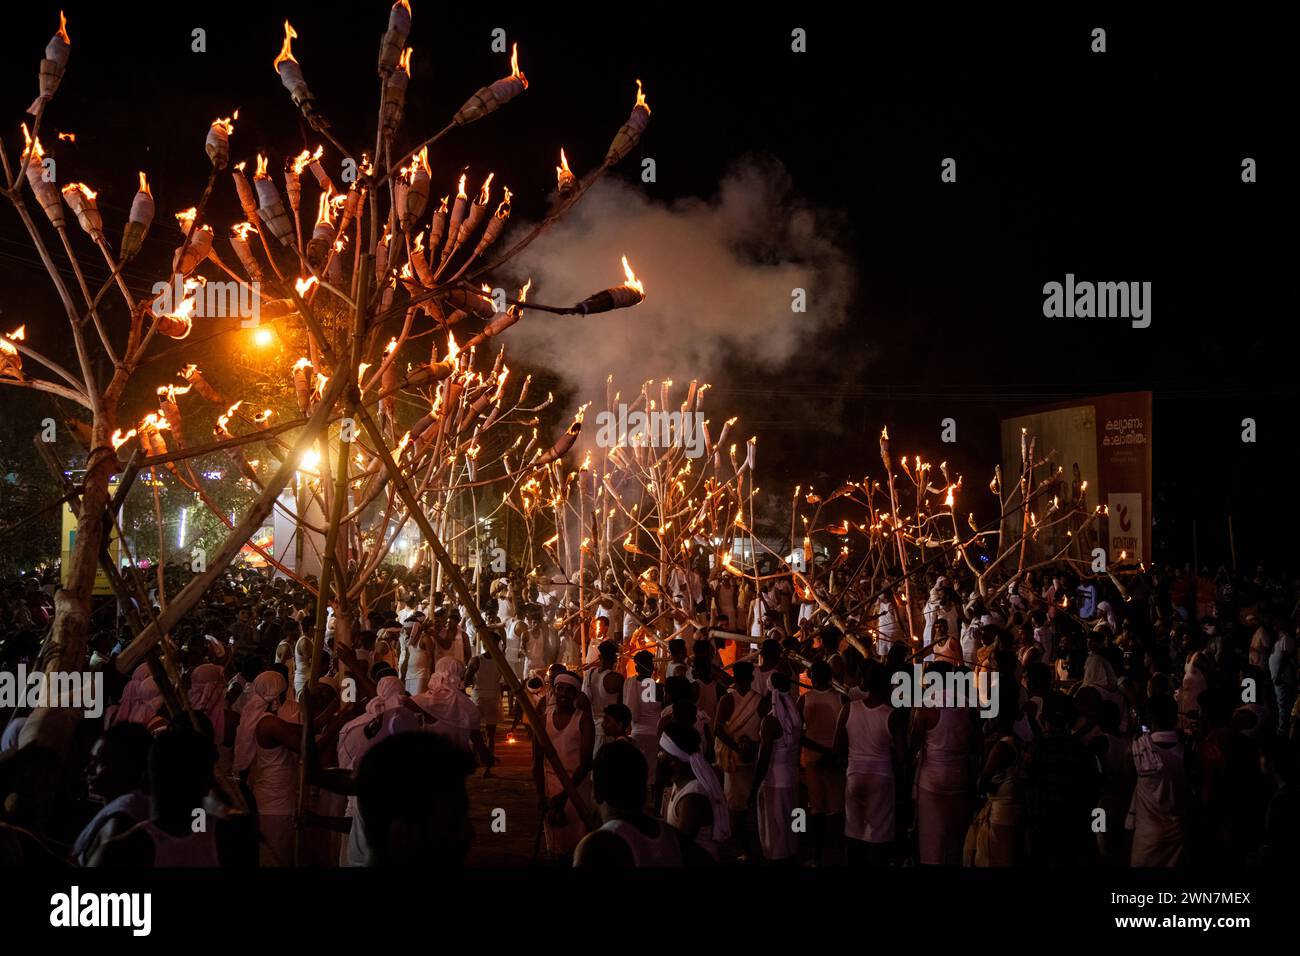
[
  {"x": 708, "y": 781},
  {"x": 266, "y": 688}
]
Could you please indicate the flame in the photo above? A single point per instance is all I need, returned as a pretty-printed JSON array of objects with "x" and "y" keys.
[
  {"x": 418, "y": 245},
  {"x": 632, "y": 280},
  {"x": 309, "y": 461},
  {"x": 950, "y": 499},
  {"x": 640, "y": 98},
  {"x": 144, "y": 184},
  {"x": 68, "y": 137},
  {"x": 401, "y": 445},
  {"x": 391, "y": 347},
  {"x": 460, "y": 190},
  {"x": 323, "y": 211},
  {"x": 63, "y": 29},
  {"x": 85, "y": 190},
  {"x": 286, "y": 51},
  {"x": 404, "y": 61},
  {"x": 422, "y": 161},
  {"x": 361, "y": 371},
  {"x": 120, "y": 439},
  {"x": 514, "y": 66},
  {"x": 305, "y": 159},
  {"x": 227, "y": 124},
  {"x": 564, "y": 164},
  {"x": 18, "y": 334},
  {"x": 32, "y": 146},
  {"x": 483, "y": 193},
  {"x": 523, "y": 293},
  {"x": 241, "y": 230},
  {"x": 453, "y": 350},
  {"x": 187, "y": 217},
  {"x": 302, "y": 285},
  {"x": 301, "y": 364},
  {"x": 884, "y": 433},
  {"x": 171, "y": 391},
  {"x": 261, "y": 168},
  {"x": 262, "y": 416}
]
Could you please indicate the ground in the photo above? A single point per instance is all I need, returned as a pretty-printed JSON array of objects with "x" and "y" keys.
[{"x": 508, "y": 788}]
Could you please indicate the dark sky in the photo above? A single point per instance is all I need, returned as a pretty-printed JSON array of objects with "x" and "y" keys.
[{"x": 1121, "y": 166}]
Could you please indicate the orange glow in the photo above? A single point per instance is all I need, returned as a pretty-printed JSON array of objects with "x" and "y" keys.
[
  {"x": 392, "y": 346},
  {"x": 63, "y": 29},
  {"x": 241, "y": 230},
  {"x": 523, "y": 293},
  {"x": 286, "y": 51},
  {"x": 301, "y": 364},
  {"x": 261, "y": 168},
  {"x": 460, "y": 190},
  {"x": 487, "y": 187},
  {"x": 187, "y": 217},
  {"x": 68, "y": 137},
  {"x": 227, "y": 124},
  {"x": 404, "y": 61},
  {"x": 144, "y": 185},
  {"x": 18, "y": 334},
  {"x": 303, "y": 285},
  {"x": 263, "y": 337},
  {"x": 640, "y": 98},
  {"x": 453, "y": 350},
  {"x": 632, "y": 280},
  {"x": 120, "y": 439}
]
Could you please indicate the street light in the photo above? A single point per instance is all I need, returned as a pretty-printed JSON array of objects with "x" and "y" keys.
[{"x": 263, "y": 337}]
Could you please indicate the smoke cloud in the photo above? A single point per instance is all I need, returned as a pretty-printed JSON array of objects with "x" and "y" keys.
[{"x": 719, "y": 276}]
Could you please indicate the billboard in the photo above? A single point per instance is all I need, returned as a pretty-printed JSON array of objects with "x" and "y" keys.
[
  {"x": 68, "y": 537},
  {"x": 1102, "y": 446}
]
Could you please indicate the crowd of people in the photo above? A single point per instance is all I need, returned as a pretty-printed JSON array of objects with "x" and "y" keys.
[{"x": 1143, "y": 719}]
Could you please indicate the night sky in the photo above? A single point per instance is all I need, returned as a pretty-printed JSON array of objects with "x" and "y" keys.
[{"x": 1123, "y": 166}]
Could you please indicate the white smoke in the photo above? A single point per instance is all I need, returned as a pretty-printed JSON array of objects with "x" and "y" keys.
[{"x": 719, "y": 276}]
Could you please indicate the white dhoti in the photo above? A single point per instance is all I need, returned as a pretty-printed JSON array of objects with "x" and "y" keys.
[
  {"x": 869, "y": 807},
  {"x": 825, "y": 788},
  {"x": 276, "y": 848},
  {"x": 776, "y": 822}
]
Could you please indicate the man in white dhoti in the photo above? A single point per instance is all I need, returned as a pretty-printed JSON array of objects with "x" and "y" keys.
[{"x": 776, "y": 774}]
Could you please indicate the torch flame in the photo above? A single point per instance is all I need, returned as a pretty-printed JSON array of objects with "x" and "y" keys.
[
  {"x": 302, "y": 285},
  {"x": 404, "y": 61},
  {"x": 514, "y": 66},
  {"x": 286, "y": 51},
  {"x": 640, "y": 98},
  {"x": 323, "y": 210},
  {"x": 305, "y": 159},
  {"x": 227, "y": 124},
  {"x": 68, "y": 137},
  {"x": 391, "y": 347},
  {"x": 18, "y": 334},
  {"x": 32, "y": 146},
  {"x": 120, "y": 439},
  {"x": 261, "y": 168},
  {"x": 85, "y": 190},
  {"x": 632, "y": 280},
  {"x": 523, "y": 293},
  {"x": 187, "y": 217},
  {"x": 453, "y": 350},
  {"x": 564, "y": 163},
  {"x": 301, "y": 364},
  {"x": 241, "y": 230},
  {"x": 460, "y": 190},
  {"x": 483, "y": 193},
  {"x": 144, "y": 184},
  {"x": 63, "y": 29}
]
